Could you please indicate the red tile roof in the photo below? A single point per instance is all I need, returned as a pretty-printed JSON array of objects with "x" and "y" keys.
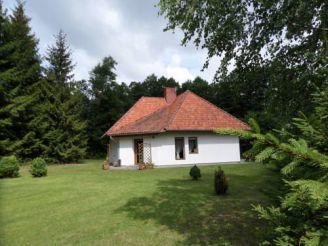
[{"x": 188, "y": 112}]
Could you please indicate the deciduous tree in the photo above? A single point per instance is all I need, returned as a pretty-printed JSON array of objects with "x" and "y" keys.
[
  {"x": 109, "y": 100},
  {"x": 288, "y": 39}
]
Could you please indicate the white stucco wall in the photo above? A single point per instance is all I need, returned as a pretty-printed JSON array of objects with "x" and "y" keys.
[
  {"x": 114, "y": 150},
  {"x": 212, "y": 148},
  {"x": 126, "y": 151}
]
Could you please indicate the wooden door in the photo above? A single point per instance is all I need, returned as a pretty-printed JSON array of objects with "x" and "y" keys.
[{"x": 138, "y": 151}]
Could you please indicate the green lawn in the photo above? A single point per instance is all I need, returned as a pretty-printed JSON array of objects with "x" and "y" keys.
[{"x": 84, "y": 205}]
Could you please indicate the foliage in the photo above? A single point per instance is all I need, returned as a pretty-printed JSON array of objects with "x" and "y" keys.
[
  {"x": 239, "y": 30},
  {"x": 60, "y": 62},
  {"x": 9, "y": 167},
  {"x": 20, "y": 70},
  {"x": 244, "y": 92},
  {"x": 273, "y": 53},
  {"x": 220, "y": 182},
  {"x": 66, "y": 130},
  {"x": 195, "y": 172},
  {"x": 301, "y": 217},
  {"x": 38, "y": 167},
  {"x": 151, "y": 86},
  {"x": 314, "y": 129},
  {"x": 200, "y": 87},
  {"x": 107, "y": 103},
  {"x": 40, "y": 115}
]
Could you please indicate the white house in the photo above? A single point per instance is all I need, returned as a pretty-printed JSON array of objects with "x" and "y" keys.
[{"x": 173, "y": 130}]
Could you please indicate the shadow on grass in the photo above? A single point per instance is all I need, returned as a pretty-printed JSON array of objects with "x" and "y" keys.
[{"x": 191, "y": 208}]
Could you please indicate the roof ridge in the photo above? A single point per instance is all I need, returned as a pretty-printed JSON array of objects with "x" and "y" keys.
[
  {"x": 217, "y": 107},
  {"x": 154, "y": 97},
  {"x": 178, "y": 108}
]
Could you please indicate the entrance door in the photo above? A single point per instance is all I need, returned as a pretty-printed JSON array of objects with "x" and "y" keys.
[{"x": 138, "y": 151}]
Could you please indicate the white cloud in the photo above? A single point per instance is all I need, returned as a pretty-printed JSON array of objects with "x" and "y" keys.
[
  {"x": 180, "y": 74},
  {"x": 95, "y": 16},
  {"x": 85, "y": 60},
  {"x": 176, "y": 59},
  {"x": 130, "y": 31}
]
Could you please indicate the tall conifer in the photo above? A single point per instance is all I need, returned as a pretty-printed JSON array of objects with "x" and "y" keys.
[
  {"x": 20, "y": 70},
  {"x": 66, "y": 136}
]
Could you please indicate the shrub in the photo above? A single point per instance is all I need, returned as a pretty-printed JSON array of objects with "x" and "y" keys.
[
  {"x": 105, "y": 165},
  {"x": 195, "y": 173},
  {"x": 220, "y": 182},
  {"x": 9, "y": 167},
  {"x": 38, "y": 167},
  {"x": 146, "y": 166}
]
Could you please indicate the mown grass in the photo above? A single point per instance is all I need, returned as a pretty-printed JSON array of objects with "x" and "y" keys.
[{"x": 84, "y": 205}]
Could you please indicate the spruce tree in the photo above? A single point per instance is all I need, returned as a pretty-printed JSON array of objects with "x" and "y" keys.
[
  {"x": 4, "y": 66},
  {"x": 58, "y": 56},
  {"x": 66, "y": 136},
  {"x": 20, "y": 70},
  {"x": 300, "y": 218}
]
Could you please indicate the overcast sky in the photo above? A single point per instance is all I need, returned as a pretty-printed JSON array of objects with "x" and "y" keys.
[{"x": 129, "y": 30}]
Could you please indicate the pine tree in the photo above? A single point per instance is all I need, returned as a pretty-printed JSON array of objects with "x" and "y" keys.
[
  {"x": 301, "y": 217},
  {"x": 66, "y": 135},
  {"x": 20, "y": 70}
]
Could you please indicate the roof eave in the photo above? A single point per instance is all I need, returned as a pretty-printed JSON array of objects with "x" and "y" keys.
[
  {"x": 161, "y": 131},
  {"x": 132, "y": 133}
]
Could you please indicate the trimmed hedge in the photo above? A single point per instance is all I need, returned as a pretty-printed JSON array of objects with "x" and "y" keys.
[{"x": 9, "y": 167}]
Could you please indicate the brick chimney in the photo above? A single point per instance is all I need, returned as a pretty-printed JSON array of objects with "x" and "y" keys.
[{"x": 169, "y": 94}]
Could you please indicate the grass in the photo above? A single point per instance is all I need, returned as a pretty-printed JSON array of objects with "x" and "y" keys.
[{"x": 84, "y": 205}]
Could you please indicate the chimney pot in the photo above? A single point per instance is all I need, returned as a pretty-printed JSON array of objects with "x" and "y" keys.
[{"x": 169, "y": 94}]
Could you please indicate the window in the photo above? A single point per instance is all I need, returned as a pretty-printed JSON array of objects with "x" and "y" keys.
[
  {"x": 193, "y": 145},
  {"x": 179, "y": 149}
]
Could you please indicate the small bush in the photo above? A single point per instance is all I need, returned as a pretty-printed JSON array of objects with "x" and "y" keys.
[
  {"x": 146, "y": 166},
  {"x": 9, "y": 167},
  {"x": 38, "y": 167},
  {"x": 195, "y": 173},
  {"x": 105, "y": 165},
  {"x": 220, "y": 182}
]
